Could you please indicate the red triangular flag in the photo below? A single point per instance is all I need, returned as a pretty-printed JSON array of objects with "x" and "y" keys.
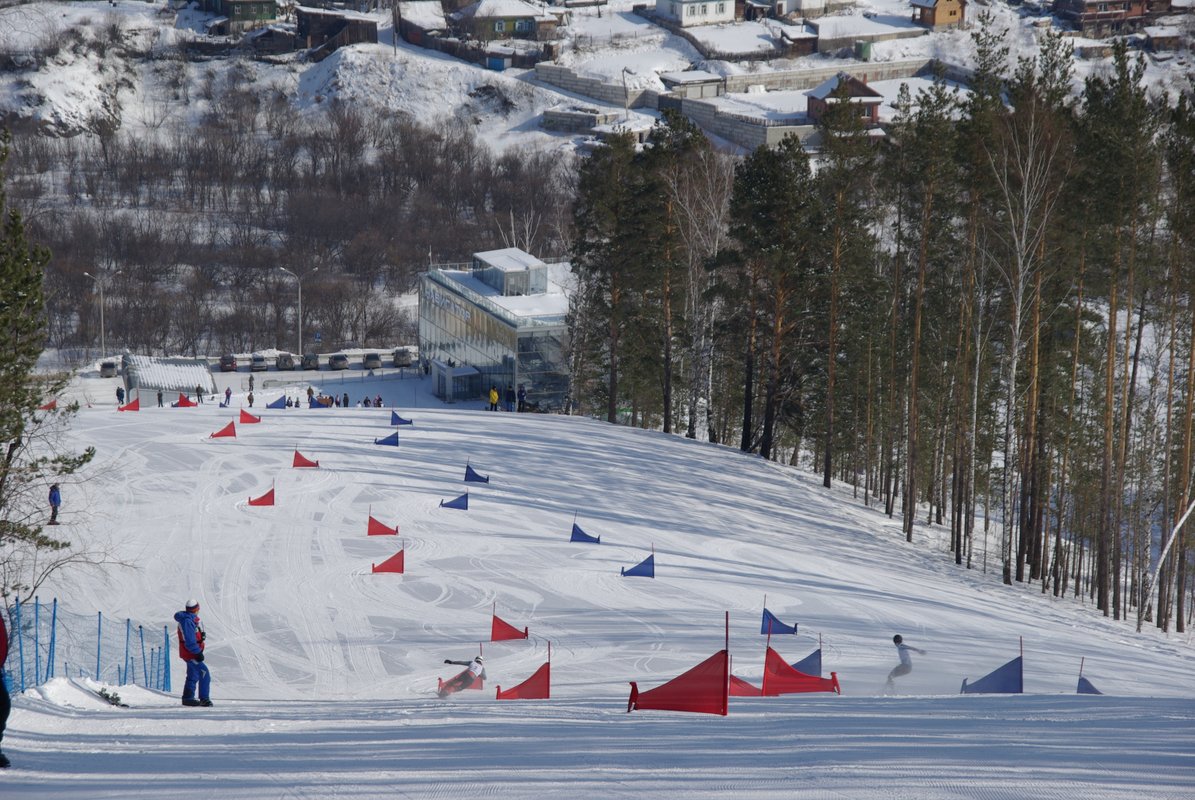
[
  {"x": 229, "y": 430},
  {"x": 501, "y": 631},
  {"x": 133, "y": 406},
  {"x": 378, "y": 529},
  {"x": 266, "y": 499},
  {"x": 303, "y": 461},
  {"x": 185, "y": 402},
  {"x": 247, "y": 418},
  {"x": 537, "y": 687},
  {"x": 780, "y": 678},
  {"x": 740, "y": 688},
  {"x": 393, "y": 564},
  {"x": 703, "y": 689}
]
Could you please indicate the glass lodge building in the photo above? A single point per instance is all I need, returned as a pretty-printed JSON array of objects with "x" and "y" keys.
[{"x": 497, "y": 320}]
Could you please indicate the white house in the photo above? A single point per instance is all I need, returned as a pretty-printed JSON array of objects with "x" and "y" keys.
[{"x": 688, "y": 13}]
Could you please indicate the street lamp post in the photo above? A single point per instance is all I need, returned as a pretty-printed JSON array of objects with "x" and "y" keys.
[
  {"x": 299, "y": 324},
  {"x": 99, "y": 283}
]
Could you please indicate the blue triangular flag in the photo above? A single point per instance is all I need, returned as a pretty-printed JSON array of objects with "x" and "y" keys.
[
  {"x": 461, "y": 503},
  {"x": 581, "y": 536}
]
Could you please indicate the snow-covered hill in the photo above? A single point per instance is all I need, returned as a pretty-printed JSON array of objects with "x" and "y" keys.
[{"x": 323, "y": 671}]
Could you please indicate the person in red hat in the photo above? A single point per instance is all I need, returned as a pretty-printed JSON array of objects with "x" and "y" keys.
[{"x": 191, "y": 641}]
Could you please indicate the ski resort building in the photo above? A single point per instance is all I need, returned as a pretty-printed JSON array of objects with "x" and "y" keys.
[{"x": 497, "y": 320}]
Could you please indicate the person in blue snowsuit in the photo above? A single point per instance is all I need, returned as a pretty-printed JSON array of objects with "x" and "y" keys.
[
  {"x": 191, "y": 641},
  {"x": 55, "y": 502},
  {"x": 906, "y": 661}
]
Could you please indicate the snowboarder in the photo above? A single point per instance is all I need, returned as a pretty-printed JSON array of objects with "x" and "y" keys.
[
  {"x": 475, "y": 670},
  {"x": 55, "y": 501},
  {"x": 906, "y": 662},
  {"x": 493, "y": 398},
  {"x": 191, "y": 643},
  {"x": 5, "y": 700}
]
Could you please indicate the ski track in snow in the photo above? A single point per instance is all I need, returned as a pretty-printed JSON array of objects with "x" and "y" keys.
[{"x": 323, "y": 672}]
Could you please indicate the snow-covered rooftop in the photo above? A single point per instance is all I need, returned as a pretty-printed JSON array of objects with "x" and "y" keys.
[
  {"x": 427, "y": 14},
  {"x": 504, "y": 9},
  {"x": 508, "y": 259}
]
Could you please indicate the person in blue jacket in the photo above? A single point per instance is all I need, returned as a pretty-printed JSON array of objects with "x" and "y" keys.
[
  {"x": 55, "y": 501},
  {"x": 191, "y": 640}
]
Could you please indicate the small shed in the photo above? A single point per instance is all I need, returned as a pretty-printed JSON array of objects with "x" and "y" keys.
[
  {"x": 939, "y": 14},
  {"x": 329, "y": 30},
  {"x": 856, "y": 91},
  {"x": 694, "y": 83}
]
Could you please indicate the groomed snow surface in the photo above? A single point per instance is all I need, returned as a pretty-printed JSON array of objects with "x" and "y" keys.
[{"x": 324, "y": 673}]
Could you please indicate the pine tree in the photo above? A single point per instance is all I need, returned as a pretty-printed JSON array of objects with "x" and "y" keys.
[{"x": 31, "y": 458}]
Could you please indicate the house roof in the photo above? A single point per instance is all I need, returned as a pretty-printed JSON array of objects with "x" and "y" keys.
[
  {"x": 924, "y": 3},
  {"x": 426, "y": 14},
  {"x": 689, "y": 76},
  {"x": 508, "y": 259},
  {"x": 504, "y": 9},
  {"x": 859, "y": 92}
]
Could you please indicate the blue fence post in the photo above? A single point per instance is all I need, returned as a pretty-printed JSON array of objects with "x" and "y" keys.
[
  {"x": 20, "y": 642},
  {"x": 153, "y": 666},
  {"x": 36, "y": 642},
  {"x": 53, "y": 639},
  {"x": 144, "y": 664},
  {"x": 99, "y": 638},
  {"x": 165, "y": 659},
  {"x": 128, "y": 637}
]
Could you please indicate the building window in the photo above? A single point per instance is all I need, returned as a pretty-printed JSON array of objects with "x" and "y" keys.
[
  {"x": 499, "y": 26},
  {"x": 721, "y": 8},
  {"x": 705, "y": 10},
  {"x": 522, "y": 25},
  {"x": 690, "y": 11},
  {"x": 672, "y": 9}
]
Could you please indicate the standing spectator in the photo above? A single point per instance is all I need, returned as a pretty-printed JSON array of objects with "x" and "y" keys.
[
  {"x": 510, "y": 398},
  {"x": 227, "y": 395},
  {"x": 522, "y": 398},
  {"x": 368, "y": 403},
  {"x": 377, "y": 401},
  {"x": 250, "y": 381},
  {"x": 198, "y": 394},
  {"x": 5, "y": 701},
  {"x": 191, "y": 643},
  {"x": 493, "y": 398},
  {"x": 160, "y": 398},
  {"x": 346, "y": 400},
  {"x": 120, "y": 395},
  {"x": 250, "y": 398},
  {"x": 55, "y": 501}
]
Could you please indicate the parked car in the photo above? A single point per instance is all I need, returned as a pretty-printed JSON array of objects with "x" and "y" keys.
[
  {"x": 107, "y": 369},
  {"x": 310, "y": 361},
  {"x": 338, "y": 361},
  {"x": 284, "y": 361},
  {"x": 228, "y": 363},
  {"x": 371, "y": 361},
  {"x": 257, "y": 363},
  {"x": 402, "y": 357}
]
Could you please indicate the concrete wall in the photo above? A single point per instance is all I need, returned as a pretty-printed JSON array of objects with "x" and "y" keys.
[
  {"x": 612, "y": 93},
  {"x": 809, "y": 78}
]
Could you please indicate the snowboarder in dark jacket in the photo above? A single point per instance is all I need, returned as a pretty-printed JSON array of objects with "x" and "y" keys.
[
  {"x": 191, "y": 642},
  {"x": 475, "y": 670}
]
